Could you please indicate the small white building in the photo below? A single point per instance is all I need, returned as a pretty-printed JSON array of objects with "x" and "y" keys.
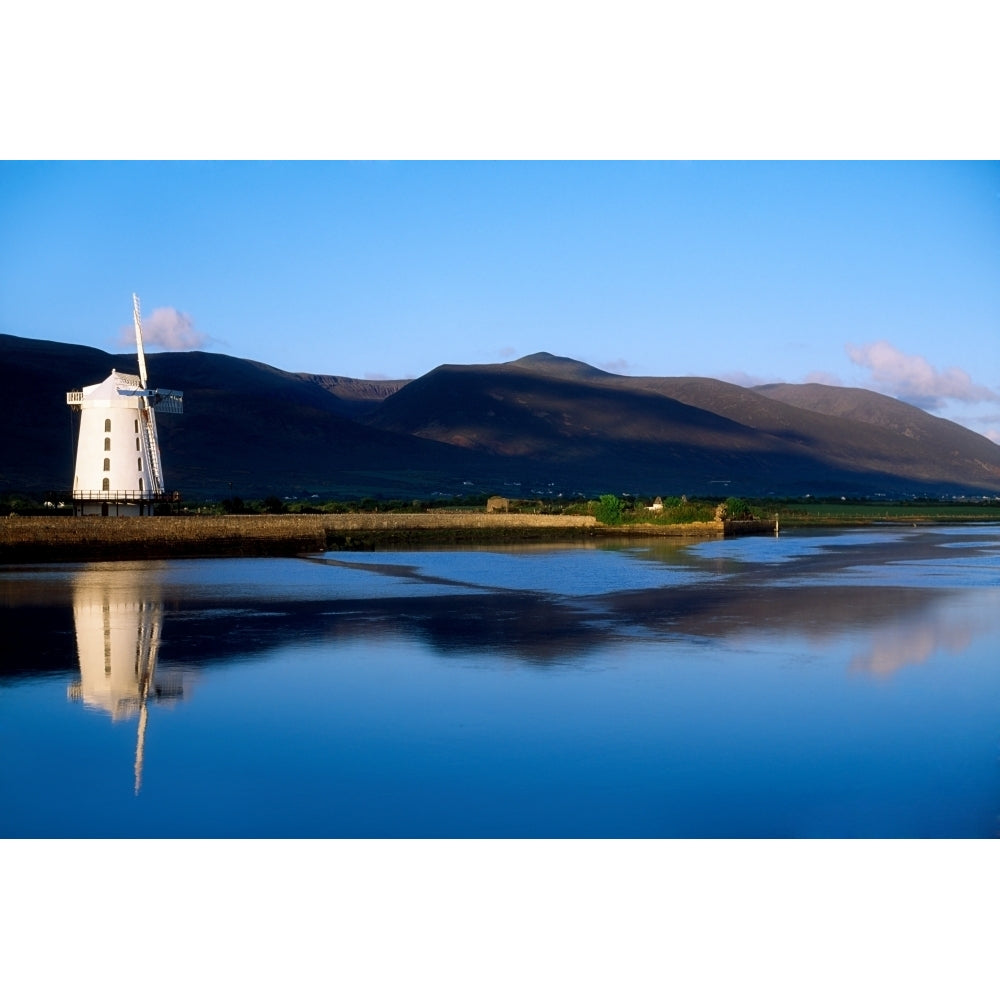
[{"x": 118, "y": 470}]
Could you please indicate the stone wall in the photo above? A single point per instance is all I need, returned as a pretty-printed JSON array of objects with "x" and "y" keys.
[{"x": 86, "y": 539}]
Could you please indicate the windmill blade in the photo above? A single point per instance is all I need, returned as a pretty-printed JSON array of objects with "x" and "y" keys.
[
  {"x": 137, "y": 320},
  {"x": 168, "y": 400}
]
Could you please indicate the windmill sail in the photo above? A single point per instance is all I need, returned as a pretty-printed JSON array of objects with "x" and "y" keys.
[
  {"x": 147, "y": 416},
  {"x": 137, "y": 320}
]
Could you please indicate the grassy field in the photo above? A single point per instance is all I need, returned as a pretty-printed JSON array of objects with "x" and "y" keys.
[{"x": 839, "y": 514}]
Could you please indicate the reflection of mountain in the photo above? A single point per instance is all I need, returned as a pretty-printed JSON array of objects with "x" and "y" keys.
[
  {"x": 223, "y": 620},
  {"x": 901, "y": 626},
  {"x": 950, "y": 629},
  {"x": 539, "y": 630},
  {"x": 118, "y": 622},
  {"x": 530, "y": 627}
]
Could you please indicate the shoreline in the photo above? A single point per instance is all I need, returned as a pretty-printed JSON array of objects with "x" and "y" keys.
[{"x": 99, "y": 539}]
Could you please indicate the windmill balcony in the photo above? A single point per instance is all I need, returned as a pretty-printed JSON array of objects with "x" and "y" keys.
[{"x": 126, "y": 496}]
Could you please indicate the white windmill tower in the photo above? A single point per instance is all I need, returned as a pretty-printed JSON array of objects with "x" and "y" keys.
[{"x": 118, "y": 468}]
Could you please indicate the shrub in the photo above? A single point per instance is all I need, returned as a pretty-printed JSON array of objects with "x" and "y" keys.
[
  {"x": 737, "y": 509},
  {"x": 609, "y": 509}
]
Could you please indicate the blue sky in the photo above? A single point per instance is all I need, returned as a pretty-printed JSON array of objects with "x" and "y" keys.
[{"x": 877, "y": 274}]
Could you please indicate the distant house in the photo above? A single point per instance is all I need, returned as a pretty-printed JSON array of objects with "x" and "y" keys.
[
  {"x": 497, "y": 505},
  {"x": 657, "y": 504}
]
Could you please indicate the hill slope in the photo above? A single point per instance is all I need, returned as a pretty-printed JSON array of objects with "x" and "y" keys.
[
  {"x": 540, "y": 424},
  {"x": 244, "y": 423},
  {"x": 694, "y": 430}
]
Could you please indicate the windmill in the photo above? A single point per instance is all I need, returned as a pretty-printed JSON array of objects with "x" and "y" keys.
[{"x": 118, "y": 467}]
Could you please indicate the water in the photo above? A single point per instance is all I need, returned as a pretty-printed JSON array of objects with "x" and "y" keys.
[{"x": 820, "y": 684}]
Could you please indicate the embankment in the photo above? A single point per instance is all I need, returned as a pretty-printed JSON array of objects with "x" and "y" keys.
[{"x": 86, "y": 539}]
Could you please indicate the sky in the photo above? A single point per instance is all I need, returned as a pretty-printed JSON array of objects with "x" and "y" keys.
[{"x": 883, "y": 275}]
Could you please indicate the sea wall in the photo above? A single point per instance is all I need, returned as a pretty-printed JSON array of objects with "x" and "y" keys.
[
  {"x": 86, "y": 539},
  {"x": 751, "y": 526}
]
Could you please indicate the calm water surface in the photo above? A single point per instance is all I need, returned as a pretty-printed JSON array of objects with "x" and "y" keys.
[{"x": 813, "y": 685}]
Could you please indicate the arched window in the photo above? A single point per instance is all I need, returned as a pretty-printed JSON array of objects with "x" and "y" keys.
[
  {"x": 140, "y": 484},
  {"x": 137, "y": 427},
  {"x": 107, "y": 444},
  {"x": 107, "y": 426},
  {"x": 136, "y": 444},
  {"x": 107, "y": 465},
  {"x": 139, "y": 460},
  {"x": 105, "y": 484}
]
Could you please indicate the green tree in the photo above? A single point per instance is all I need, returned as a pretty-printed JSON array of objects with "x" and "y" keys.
[
  {"x": 737, "y": 509},
  {"x": 609, "y": 509}
]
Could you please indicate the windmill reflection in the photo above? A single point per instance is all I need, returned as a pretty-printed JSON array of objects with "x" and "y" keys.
[{"x": 118, "y": 620}]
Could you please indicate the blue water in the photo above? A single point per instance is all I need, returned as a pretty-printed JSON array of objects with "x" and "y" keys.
[{"x": 822, "y": 684}]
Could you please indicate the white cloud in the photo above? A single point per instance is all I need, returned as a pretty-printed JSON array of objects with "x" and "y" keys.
[
  {"x": 168, "y": 328},
  {"x": 914, "y": 379}
]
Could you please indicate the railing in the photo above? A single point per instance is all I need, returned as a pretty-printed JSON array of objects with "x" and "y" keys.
[{"x": 125, "y": 496}]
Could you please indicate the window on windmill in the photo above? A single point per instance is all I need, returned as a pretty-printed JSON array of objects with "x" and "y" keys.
[
  {"x": 139, "y": 460},
  {"x": 137, "y": 427},
  {"x": 107, "y": 426},
  {"x": 136, "y": 444},
  {"x": 107, "y": 465},
  {"x": 105, "y": 484},
  {"x": 140, "y": 484},
  {"x": 107, "y": 444}
]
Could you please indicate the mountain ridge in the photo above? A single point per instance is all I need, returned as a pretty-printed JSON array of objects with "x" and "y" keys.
[{"x": 538, "y": 424}]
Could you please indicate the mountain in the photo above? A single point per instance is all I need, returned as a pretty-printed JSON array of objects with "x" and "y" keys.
[
  {"x": 538, "y": 425},
  {"x": 692, "y": 434},
  {"x": 356, "y": 397},
  {"x": 247, "y": 428}
]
